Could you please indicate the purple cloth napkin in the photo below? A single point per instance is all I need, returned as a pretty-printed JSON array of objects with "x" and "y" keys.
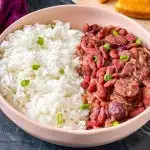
[{"x": 11, "y": 10}]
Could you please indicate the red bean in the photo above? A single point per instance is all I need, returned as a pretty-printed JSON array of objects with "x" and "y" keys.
[
  {"x": 103, "y": 52},
  {"x": 84, "y": 85},
  {"x": 87, "y": 70},
  {"x": 92, "y": 51},
  {"x": 114, "y": 54},
  {"x": 101, "y": 117},
  {"x": 110, "y": 27},
  {"x": 96, "y": 104},
  {"x": 94, "y": 73},
  {"x": 95, "y": 112},
  {"x": 80, "y": 52},
  {"x": 101, "y": 91},
  {"x": 91, "y": 63},
  {"x": 92, "y": 87},
  {"x": 115, "y": 75},
  {"x": 91, "y": 43},
  {"x": 101, "y": 71},
  {"x": 85, "y": 28},
  {"x": 100, "y": 61},
  {"x": 87, "y": 78},
  {"x": 110, "y": 83},
  {"x": 110, "y": 70},
  {"x": 83, "y": 45},
  {"x": 91, "y": 124},
  {"x": 136, "y": 111},
  {"x": 101, "y": 33},
  {"x": 118, "y": 65},
  {"x": 94, "y": 28},
  {"x": 122, "y": 32}
]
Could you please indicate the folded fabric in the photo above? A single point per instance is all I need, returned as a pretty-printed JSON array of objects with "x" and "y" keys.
[{"x": 11, "y": 10}]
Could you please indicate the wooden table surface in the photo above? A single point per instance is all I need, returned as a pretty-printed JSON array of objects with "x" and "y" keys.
[{"x": 14, "y": 138}]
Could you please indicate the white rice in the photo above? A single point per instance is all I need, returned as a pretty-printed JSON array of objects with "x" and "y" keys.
[{"x": 49, "y": 92}]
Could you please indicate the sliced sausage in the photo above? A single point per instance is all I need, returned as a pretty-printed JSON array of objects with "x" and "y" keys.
[
  {"x": 127, "y": 87},
  {"x": 130, "y": 37},
  {"x": 116, "y": 40},
  {"x": 128, "y": 70}
]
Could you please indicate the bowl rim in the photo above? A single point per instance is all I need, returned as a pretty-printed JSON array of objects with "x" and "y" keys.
[{"x": 61, "y": 130}]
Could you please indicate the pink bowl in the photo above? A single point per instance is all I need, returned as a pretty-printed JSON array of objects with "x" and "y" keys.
[{"x": 77, "y": 16}]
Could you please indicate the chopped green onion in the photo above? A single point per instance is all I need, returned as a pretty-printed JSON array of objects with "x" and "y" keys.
[
  {"x": 107, "y": 77},
  {"x": 35, "y": 66},
  {"x": 95, "y": 58},
  {"x": 25, "y": 82},
  {"x": 85, "y": 106},
  {"x": 124, "y": 57},
  {"x": 60, "y": 119},
  {"x": 61, "y": 71},
  {"x": 115, "y": 33},
  {"x": 40, "y": 40},
  {"x": 138, "y": 41},
  {"x": 115, "y": 123},
  {"x": 107, "y": 47}
]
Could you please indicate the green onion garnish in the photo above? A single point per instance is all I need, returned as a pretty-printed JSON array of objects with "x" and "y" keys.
[
  {"x": 85, "y": 106},
  {"x": 115, "y": 123},
  {"x": 138, "y": 41},
  {"x": 25, "y": 82},
  {"x": 95, "y": 58},
  {"x": 61, "y": 71},
  {"x": 124, "y": 57},
  {"x": 40, "y": 40},
  {"x": 60, "y": 119},
  {"x": 107, "y": 47},
  {"x": 35, "y": 66},
  {"x": 115, "y": 33},
  {"x": 107, "y": 77}
]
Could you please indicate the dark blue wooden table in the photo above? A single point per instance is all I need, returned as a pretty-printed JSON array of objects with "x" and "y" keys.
[{"x": 13, "y": 138}]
